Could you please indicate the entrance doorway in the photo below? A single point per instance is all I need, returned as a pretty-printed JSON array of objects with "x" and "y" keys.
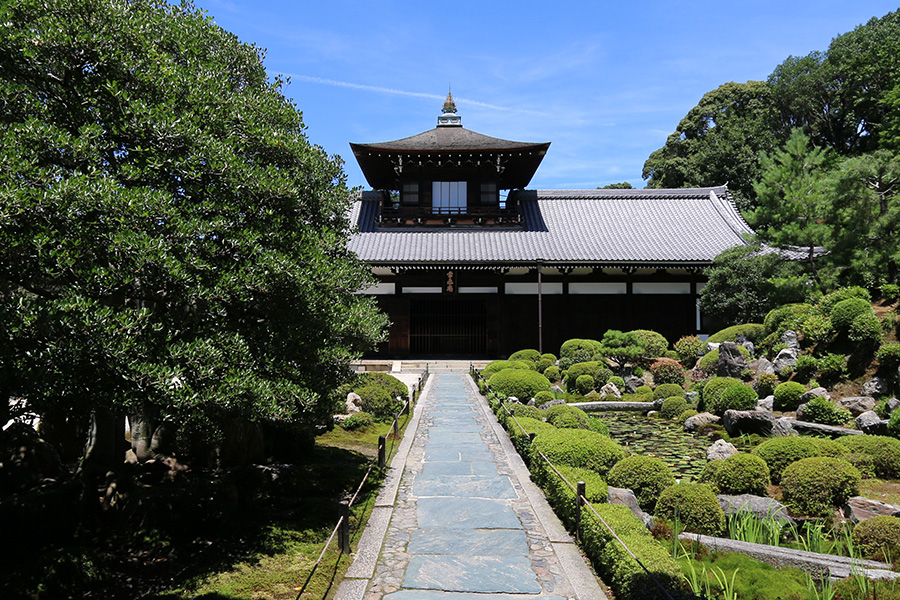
[{"x": 448, "y": 327}]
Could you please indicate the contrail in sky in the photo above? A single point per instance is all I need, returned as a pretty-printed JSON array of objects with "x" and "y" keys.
[{"x": 384, "y": 90}]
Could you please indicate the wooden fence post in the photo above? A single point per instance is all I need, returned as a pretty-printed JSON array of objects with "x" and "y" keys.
[
  {"x": 381, "y": 452},
  {"x": 344, "y": 531},
  {"x": 579, "y": 502}
]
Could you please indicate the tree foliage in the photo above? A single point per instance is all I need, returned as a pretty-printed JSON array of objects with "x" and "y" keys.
[{"x": 168, "y": 235}]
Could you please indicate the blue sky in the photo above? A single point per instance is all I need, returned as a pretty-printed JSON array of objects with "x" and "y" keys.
[{"x": 605, "y": 82}]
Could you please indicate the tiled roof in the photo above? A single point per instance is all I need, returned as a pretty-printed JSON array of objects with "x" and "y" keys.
[
  {"x": 653, "y": 227},
  {"x": 448, "y": 139}
]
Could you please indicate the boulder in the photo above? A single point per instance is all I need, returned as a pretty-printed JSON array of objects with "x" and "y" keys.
[
  {"x": 767, "y": 403},
  {"x": 764, "y": 365},
  {"x": 691, "y": 398},
  {"x": 632, "y": 383},
  {"x": 870, "y": 423},
  {"x": 557, "y": 390},
  {"x": 760, "y": 506},
  {"x": 790, "y": 339},
  {"x": 859, "y": 509},
  {"x": 784, "y": 427},
  {"x": 693, "y": 423},
  {"x": 749, "y": 346},
  {"x": 547, "y": 405},
  {"x": 892, "y": 405},
  {"x": 731, "y": 362},
  {"x": 610, "y": 389},
  {"x": 857, "y": 405},
  {"x": 512, "y": 400},
  {"x": 531, "y": 402},
  {"x": 353, "y": 402},
  {"x": 594, "y": 395},
  {"x": 737, "y": 422},
  {"x": 877, "y": 386},
  {"x": 818, "y": 392},
  {"x": 720, "y": 450},
  {"x": 627, "y": 498},
  {"x": 712, "y": 346},
  {"x": 785, "y": 358}
]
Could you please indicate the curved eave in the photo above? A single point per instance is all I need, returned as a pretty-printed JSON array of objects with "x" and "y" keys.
[{"x": 383, "y": 166}]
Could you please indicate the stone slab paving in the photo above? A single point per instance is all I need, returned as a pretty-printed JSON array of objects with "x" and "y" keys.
[{"x": 466, "y": 521}]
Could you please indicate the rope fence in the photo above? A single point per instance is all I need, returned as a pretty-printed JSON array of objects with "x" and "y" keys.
[
  {"x": 342, "y": 527},
  {"x": 580, "y": 498}
]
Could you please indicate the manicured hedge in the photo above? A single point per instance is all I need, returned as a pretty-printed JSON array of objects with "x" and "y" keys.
[
  {"x": 695, "y": 505},
  {"x": 496, "y": 366},
  {"x": 752, "y": 331},
  {"x": 520, "y": 439},
  {"x": 616, "y": 566},
  {"x": 646, "y": 476},
  {"x": 740, "y": 474},
  {"x": 521, "y": 383},
  {"x": 884, "y": 451},
  {"x": 672, "y": 407},
  {"x": 576, "y": 448},
  {"x": 562, "y": 497},
  {"x": 878, "y": 537},
  {"x": 815, "y": 486},
  {"x": 781, "y": 452},
  {"x": 787, "y": 395},
  {"x": 599, "y": 371},
  {"x": 667, "y": 390},
  {"x": 564, "y": 416}
]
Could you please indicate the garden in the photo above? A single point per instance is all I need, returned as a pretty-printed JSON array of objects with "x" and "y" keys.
[{"x": 764, "y": 461}]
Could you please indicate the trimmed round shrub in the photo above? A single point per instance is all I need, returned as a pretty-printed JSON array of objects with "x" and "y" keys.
[
  {"x": 653, "y": 343},
  {"x": 543, "y": 397},
  {"x": 523, "y": 410},
  {"x": 618, "y": 382},
  {"x": 562, "y": 497},
  {"x": 889, "y": 356},
  {"x": 689, "y": 348},
  {"x": 547, "y": 360},
  {"x": 391, "y": 384},
  {"x": 827, "y": 447},
  {"x": 815, "y": 486},
  {"x": 894, "y": 424},
  {"x": 518, "y": 433},
  {"x": 878, "y": 537},
  {"x": 742, "y": 474},
  {"x": 578, "y": 350},
  {"x": 781, "y": 452},
  {"x": 695, "y": 505},
  {"x": 865, "y": 328},
  {"x": 496, "y": 366},
  {"x": 751, "y": 331},
  {"x": 564, "y": 416},
  {"x": 597, "y": 425},
  {"x": 845, "y": 312},
  {"x": 599, "y": 371},
  {"x": 685, "y": 415},
  {"x": 863, "y": 462},
  {"x": 377, "y": 401},
  {"x": 552, "y": 373},
  {"x": 646, "y": 476},
  {"x": 576, "y": 448},
  {"x": 521, "y": 383},
  {"x": 643, "y": 390},
  {"x": 667, "y": 390},
  {"x": 765, "y": 384},
  {"x": 713, "y": 390},
  {"x": 359, "y": 420},
  {"x": 781, "y": 318},
  {"x": 885, "y": 452},
  {"x": 584, "y": 384},
  {"x": 737, "y": 397},
  {"x": 672, "y": 407},
  {"x": 531, "y": 356},
  {"x": 667, "y": 371},
  {"x": 708, "y": 474},
  {"x": 787, "y": 395},
  {"x": 824, "y": 411},
  {"x": 828, "y": 302}
]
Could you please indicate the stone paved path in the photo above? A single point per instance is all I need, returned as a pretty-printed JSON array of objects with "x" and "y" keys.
[{"x": 466, "y": 522}]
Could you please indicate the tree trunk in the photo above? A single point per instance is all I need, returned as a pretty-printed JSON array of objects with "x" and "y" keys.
[{"x": 105, "y": 449}]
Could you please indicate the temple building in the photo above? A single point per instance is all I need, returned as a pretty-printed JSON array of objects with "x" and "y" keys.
[{"x": 470, "y": 263}]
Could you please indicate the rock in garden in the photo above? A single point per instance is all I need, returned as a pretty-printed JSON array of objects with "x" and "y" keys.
[
  {"x": 789, "y": 338},
  {"x": 857, "y": 405},
  {"x": 737, "y": 422},
  {"x": 610, "y": 389},
  {"x": 547, "y": 405},
  {"x": 784, "y": 427},
  {"x": 531, "y": 402},
  {"x": 785, "y": 358},
  {"x": 691, "y": 398},
  {"x": 712, "y": 346},
  {"x": 693, "y": 423},
  {"x": 818, "y": 392},
  {"x": 512, "y": 400},
  {"x": 749, "y": 346},
  {"x": 764, "y": 365},
  {"x": 594, "y": 395},
  {"x": 720, "y": 450},
  {"x": 627, "y": 498},
  {"x": 353, "y": 402},
  {"x": 859, "y": 509},
  {"x": 557, "y": 390},
  {"x": 760, "y": 506},
  {"x": 876, "y": 386},
  {"x": 870, "y": 423},
  {"x": 632, "y": 383},
  {"x": 892, "y": 405},
  {"x": 767, "y": 403},
  {"x": 731, "y": 362}
]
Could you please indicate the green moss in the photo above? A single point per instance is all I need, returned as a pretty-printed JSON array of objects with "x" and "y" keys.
[
  {"x": 646, "y": 476},
  {"x": 816, "y": 486},
  {"x": 696, "y": 506}
]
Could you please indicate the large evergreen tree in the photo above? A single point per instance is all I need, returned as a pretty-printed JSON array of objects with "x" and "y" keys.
[{"x": 171, "y": 244}]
